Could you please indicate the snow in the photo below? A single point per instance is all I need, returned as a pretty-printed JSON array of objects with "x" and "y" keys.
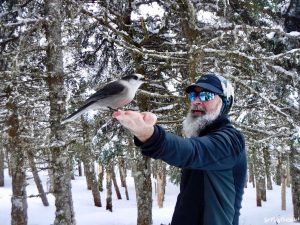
[
  {"x": 17, "y": 202},
  {"x": 242, "y": 116},
  {"x": 294, "y": 33},
  {"x": 147, "y": 10},
  {"x": 57, "y": 143},
  {"x": 168, "y": 107},
  {"x": 271, "y": 35},
  {"x": 207, "y": 17},
  {"x": 125, "y": 212}
]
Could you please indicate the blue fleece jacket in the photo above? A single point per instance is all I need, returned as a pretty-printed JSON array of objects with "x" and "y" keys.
[{"x": 214, "y": 169}]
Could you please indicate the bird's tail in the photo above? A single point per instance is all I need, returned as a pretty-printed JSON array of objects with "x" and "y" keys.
[{"x": 77, "y": 113}]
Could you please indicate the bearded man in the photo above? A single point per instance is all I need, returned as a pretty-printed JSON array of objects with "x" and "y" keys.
[{"x": 212, "y": 153}]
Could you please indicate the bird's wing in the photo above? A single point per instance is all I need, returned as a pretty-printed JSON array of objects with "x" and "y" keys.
[{"x": 110, "y": 89}]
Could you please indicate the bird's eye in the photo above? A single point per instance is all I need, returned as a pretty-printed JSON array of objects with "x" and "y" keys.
[{"x": 135, "y": 77}]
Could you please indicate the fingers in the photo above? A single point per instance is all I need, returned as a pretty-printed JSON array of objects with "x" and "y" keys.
[
  {"x": 120, "y": 114},
  {"x": 131, "y": 114},
  {"x": 144, "y": 117},
  {"x": 128, "y": 118},
  {"x": 139, "y": 124},
  {"x": 116, "y": 114},
  {"x": 149, "y": 118}
]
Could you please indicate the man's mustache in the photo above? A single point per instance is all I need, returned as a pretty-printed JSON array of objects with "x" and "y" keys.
[{"x": 198, "y": 107}]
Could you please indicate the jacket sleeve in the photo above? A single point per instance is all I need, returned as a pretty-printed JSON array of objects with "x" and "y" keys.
[{"x": 219, "y": 150}]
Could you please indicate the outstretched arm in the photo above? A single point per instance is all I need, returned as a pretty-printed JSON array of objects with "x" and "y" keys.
[{"x": 218, "y": 150}]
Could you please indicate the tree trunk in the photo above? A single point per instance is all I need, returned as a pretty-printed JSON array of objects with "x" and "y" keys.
[
  {"x": 64, "y": 214},
  {"x": 88, "y": 160},
  {"x": 288, "y": 173},
  {"x": 262, "y": 181},
  {"x": 142, "y": 175},
  {"x": 17, "y": 159},
  {"x": 36, "y": 177},
  {"x": 122, "y": 170},
  {"x": 8, "y": 162},
  {"x": 91, "y": 180},
  {"x": 278, "y": 169},
  {"x": 258, "y": 195},
  {"x": 295, "y": 160},
  {"x": 50, "y": 181},
  {"x": 109, "y": 188},
  {"x": 100, "y": 177},
  {"x": 79, "y": 168},
  {"x": 95, "y": 189},
  {"x": 19, "y": 196},
  {"x": 295, "y": 174},
  {"x": 251, "y": 171},
  {"x": 267, "y": 162},
  {"x": 114, "y": 179},
  {"x": 88, "y": 177},
  {"x": 72, "y": 168},
  {"x": 143, "y": 187},
  {"x": 1, "y": 167},
  {"x": 283, "y": 189},
  {"x": 161, "y": 183},
  {"x": 259, "y": 174}
]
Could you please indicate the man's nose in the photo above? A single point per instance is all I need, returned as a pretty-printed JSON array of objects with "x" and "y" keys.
[{"x": 196, "y": 101}]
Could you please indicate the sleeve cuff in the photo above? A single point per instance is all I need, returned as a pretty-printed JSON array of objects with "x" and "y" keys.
[
  {"x": 150, "y": 141},
  {"x": 152, "y": 146}
]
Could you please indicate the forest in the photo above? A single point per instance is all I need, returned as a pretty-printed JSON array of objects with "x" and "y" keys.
[{"x": 55, "y": 53}]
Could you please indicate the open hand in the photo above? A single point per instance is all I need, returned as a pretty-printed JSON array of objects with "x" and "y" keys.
[{"x": 139, "y": 124}]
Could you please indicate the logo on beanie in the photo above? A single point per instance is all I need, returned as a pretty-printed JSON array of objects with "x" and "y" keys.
[{"x": 204, "y": 78}]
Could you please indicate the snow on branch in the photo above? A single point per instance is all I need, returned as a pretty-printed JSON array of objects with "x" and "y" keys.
[
  {"x": 276, "y": 108},
  {"x": 251, "y": 129},
  {"x": 282, "y": 136},
  {"x": 168, "y": 107},
  {"x": 270, "y": 133},
  {"x": 238, "y": 54},
  {"x": 153, "y": 94},
  {"x": 57, "y": 143},
  {"x": 127, "y": 42},
  {"x": 281, "y": 70},
  {"x": 279, "y": 56},
  {"x": 256, "y": 60},
  {"x": 22, "y": 22}
]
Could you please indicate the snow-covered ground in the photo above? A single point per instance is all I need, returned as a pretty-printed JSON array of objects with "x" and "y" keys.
[{"x": 124, "y": 211}]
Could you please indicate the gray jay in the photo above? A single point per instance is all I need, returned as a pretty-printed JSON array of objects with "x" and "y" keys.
[{"x": 113, "y": 95}]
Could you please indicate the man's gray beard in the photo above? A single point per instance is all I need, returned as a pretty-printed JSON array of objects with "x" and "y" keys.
[{"x": 193, "y": 125}]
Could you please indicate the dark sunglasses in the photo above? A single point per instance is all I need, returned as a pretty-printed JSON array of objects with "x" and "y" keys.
[{"x": 203, "y": 96}]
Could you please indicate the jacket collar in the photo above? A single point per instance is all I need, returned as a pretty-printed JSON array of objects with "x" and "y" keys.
[{"x": 221, "y": 121}]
